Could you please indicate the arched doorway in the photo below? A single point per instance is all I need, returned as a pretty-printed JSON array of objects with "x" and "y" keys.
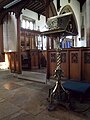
[{"x": 69, "y": 41}]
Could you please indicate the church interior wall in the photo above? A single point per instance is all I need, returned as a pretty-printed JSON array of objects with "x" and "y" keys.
[
  {"x": 10, "y": 33},
  {"x": 88, "y": 22},
  {"x": 42, "y": 22},
  {"x": 38, "y": 23},
  {"x": 75, "y": 5},
  {"x": 83, "y": 25}
]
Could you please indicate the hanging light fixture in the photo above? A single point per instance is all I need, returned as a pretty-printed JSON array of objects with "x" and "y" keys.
[{"x": 11, "y": 4}]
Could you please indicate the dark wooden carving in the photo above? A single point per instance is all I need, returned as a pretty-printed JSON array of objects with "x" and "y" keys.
[
  {"x": 63, "y": 57},
  {"x": 53, "y": 57},
  {"x": 87, "y": 58},
  {"x": 74, "y": 57}
]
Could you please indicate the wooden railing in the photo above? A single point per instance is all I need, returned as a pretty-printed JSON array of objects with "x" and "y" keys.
[{"x": 75, "y": 63}]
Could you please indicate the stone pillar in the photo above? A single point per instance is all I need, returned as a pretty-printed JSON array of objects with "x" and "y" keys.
[{"x": 88, "y": 23}]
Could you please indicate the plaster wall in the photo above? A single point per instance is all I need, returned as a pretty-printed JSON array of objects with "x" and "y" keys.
[
  {"x": 38, "y": 23},
  {"x": 42, "y": 22},
  {"x": 88, "y": 13},
  {"x": 10, "y": 33},
  {"x": 75, "y": 5},
  {"x": 88, "y": 22},
  {"x": 83, "y": 24}
]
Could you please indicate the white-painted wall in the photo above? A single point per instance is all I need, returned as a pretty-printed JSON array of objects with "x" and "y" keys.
[
  {"x": 75, "y": 5},
  {"x": 88, "y": 21},
  {"x": 10, "y": 33},
  {"x": 41, "y": 23},
  {"x": 88, "y": 13},
  {"x": 83, "y": 40}
]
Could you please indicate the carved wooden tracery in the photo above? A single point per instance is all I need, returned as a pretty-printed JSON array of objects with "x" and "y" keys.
[
  {"x": 87, "y": 58},
  {"x": 53, "y": 57},
  {"x": 74, "y": 57}
]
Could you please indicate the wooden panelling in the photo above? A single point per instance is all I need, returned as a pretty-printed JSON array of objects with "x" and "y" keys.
[
  {"x": 34, "y": 59},
  {"x": 44, "y": 52},
  {"x": 12, "y": 61},
  {"x": 75, "y": 62},
  {"x": 16, "y": 63},
  {"x": 74, "y": 65},
  {"x": 64, "y": 63},
  {"x": 26, "y": 60},
  {"x": 86, "y": 66},
  {"x": 52, "y": 61},
  {"x": 42, "y": 58}
]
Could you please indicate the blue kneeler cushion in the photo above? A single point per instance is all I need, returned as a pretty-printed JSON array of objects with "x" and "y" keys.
[{"x": 76, "y": 86}]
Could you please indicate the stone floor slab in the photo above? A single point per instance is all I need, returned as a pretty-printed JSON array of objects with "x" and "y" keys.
[
  {"x": 7, "y": 109},
  {"x": 11, "y": 86},
  {"x": 26, "y": 100},
  {"x": 60, "y": 114},
  {"x": 21, "y": 115},
  {"x": 22, "y": 96}
]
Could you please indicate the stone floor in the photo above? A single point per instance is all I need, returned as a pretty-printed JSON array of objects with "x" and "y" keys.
[
  {"x": 27, "y": 100},
  {"x": 34, "y": 76}
]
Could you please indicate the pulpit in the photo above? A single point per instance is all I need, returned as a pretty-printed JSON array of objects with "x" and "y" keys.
[{"x": 59, "y": 27}]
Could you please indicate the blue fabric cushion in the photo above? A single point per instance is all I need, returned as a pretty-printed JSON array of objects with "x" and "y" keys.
[{"x": 76, "y": 86}]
